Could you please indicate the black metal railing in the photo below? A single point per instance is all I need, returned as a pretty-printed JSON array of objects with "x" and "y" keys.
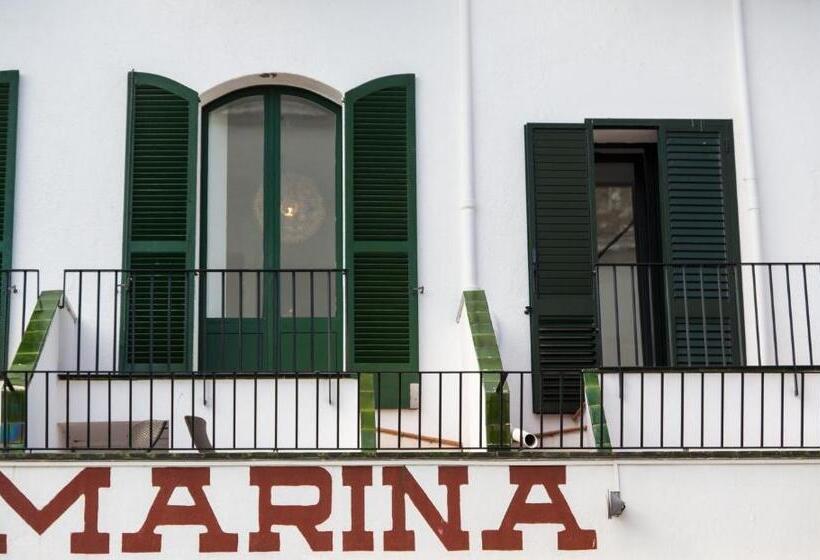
[
  {"x": 692, "y": 356},
  {"x": 19, "y": 289},
  {"x": 226, "y": 320},
  {"x": 645, "y": 409},
  {"x": 706, "y": 314}
]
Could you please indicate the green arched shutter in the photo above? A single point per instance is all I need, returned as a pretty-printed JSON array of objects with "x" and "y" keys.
[
  {"x": 380, "y": 156},
  {"x": 8, "y": 150},
  {"x": 564, "y": 339},
  {"x": 159, "y": 223},
  {"x": 700, "y": 222}
]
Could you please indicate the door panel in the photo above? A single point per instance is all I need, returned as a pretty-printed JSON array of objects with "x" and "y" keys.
[
  {"x": 272, "y": 226},
  {"x": 158, "y": 240},
  {"x": 701, "y": 241},
  {"x": 380, "y": 137},
  {"x": 564, "y": 338}
]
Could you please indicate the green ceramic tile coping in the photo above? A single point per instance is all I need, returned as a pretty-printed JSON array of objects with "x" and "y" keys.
[
  {"x": 367, "y": 412},
  {"x": 496, "y": 403},
  {"x": 28, "y": 355},
  {"x": 592, "y": 391},
  {"x": 31, "y": 345}
]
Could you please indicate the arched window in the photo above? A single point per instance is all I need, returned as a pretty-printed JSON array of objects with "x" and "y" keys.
[
  {"x": 267, "y": 292},
  {"x": 271, "y": 231}
]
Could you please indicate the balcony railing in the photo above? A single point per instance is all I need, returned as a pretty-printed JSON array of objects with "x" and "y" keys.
[
  {"x": 694, "y": 356},
  {"x": 708, "y": 315},
  {"x": 19, "y": 289},
  {"x": 734, "y": 409},
  {"x": 226, "y": 320}
]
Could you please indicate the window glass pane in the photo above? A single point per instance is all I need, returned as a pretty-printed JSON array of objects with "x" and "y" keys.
[
  {"x": 235, "y": 207},
  {"x": 614, "y": 214},
  {"x": 307, "y": 208},
  {"x": 617, "y": 285}
]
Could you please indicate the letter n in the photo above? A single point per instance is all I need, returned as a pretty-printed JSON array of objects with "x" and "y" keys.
[
  {"x": 521, "y": 511},
  {"x": 193, "y": 479},
  {"x": 87, "y": 484},
  {"x": 448, "y": 532}
]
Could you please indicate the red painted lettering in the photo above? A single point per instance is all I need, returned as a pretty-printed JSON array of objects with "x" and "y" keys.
[
  {"x": 86, "y": 484},
  {"x": 448, "y": 532},
  {"x": 506, "y": 537},
  {"x": 193, "y": 479},
  {"x": 357, "y": 538},
  {"x": 304, "y": 518}
]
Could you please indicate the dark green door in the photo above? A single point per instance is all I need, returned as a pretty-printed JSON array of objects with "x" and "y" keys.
[
  {"x": 701, "y": 242},
  {"x": 564, "y": 338},
  {"x": 159, "y": 225},
  {"x": 380, "y": 152},
  {"x": 271, "y": 234}
]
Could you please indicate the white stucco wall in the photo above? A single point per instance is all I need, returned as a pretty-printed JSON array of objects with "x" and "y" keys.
[
  {"x": 532, "y": 61},
  {"x": 577, "y": 61},
  {"x": 674, "y": 509},
  {"x": 71, "y": 148},
  {"x": 784, "y": 87}
]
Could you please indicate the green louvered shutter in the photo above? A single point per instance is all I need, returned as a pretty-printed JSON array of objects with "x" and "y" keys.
[
  {"x": 561, "y": 243},
  {"x": 700, "y": 228},
  {"x": 8, "y": 148},
  {"x": 380, "y": 156},
  {"x": 159, "y": 224}
]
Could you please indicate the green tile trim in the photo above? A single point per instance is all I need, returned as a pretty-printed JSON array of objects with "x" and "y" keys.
[
  {"x": 367, "y": 412},
  {"x": 12, "y": 431},
  {"x": 27, "y": 357},
  {"x": 496, "y": 395},
  {"x": 592, "y": 391},
  {"x": 31, "y": 345}
]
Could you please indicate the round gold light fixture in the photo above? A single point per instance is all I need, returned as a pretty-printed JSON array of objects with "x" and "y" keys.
[{"x": 302, "y": 208}]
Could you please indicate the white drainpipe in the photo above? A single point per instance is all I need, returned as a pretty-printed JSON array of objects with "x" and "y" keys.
[
  {"x": 469, "y": 259},
  {"x": 752, "y": 241}
]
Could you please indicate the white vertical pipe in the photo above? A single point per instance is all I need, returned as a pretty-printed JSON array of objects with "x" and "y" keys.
[
  {"x": 469, "y": 259},
  {"x": 752, "y": 240}
]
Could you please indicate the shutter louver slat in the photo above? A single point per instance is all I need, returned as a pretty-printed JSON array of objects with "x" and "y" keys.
[
  {"x": 699, "y": 203},
  {"x": 564, "y": 337},
  {"x": 5, "y": 118},
  {"x": 380, "y": 130},
  {"x": 160, "y": 180},
  {"x": 158, "y": 302},
  {"x": 714, "y": 351},
  {"x": 382, "y": 283},
  {"x": 9, "y": 81},
  {"x": 381, "y": 172},
  {"x": 159, "y": 224},
  {"x": 695, "y": 190}
]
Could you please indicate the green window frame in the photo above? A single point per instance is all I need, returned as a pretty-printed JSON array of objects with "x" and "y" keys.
[
  {"x": 378, "y": 234},
  {"x": 274, "y": 357}
]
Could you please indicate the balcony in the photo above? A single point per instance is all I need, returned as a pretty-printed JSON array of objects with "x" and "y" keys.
[{"x": 677, "y": 358}]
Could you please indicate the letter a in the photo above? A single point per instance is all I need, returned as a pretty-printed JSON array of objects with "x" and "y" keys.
[
  {"x": 520, "y": 511},
  {"x": 214, "y": 539}
]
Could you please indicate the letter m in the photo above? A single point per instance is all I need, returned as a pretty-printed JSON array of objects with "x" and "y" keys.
[{"x": 86, "y": 484}]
